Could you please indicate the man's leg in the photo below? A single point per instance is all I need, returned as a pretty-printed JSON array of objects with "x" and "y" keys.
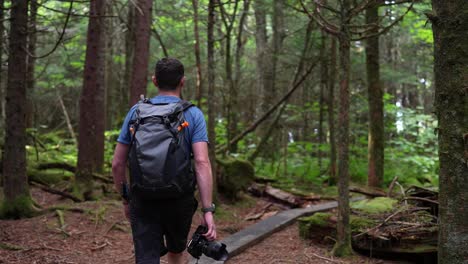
[
  {"x": 175, "y": 258},
  {"x": 146, "y": 232}
]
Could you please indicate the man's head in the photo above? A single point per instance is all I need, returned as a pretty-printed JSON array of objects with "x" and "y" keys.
[{"x": 168, "y": 74}]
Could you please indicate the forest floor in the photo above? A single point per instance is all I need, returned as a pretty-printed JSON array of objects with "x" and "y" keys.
[{"x": 102, "y": 235}]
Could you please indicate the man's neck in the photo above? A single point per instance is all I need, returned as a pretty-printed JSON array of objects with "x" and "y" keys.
[{"x": 169, "y": 93}]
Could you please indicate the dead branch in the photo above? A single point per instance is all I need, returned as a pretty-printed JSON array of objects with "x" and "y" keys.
[
  {"x": 323, "y": 23},
  {"x": 421, "y": 199},
  {"x": 55, "y": 191},
  {"x": 67, "y": 118},
  {"x": 369, "y": 192},
  {"x": 390, "y": 189}
]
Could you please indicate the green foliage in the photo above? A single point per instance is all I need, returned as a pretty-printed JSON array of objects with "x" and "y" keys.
[{"x": 375, "y": 206}]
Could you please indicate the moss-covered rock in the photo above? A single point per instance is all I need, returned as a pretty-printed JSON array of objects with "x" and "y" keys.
[
  {"x": 49, "y": 177},
  {"x": 236, "y": 175},
  {"x": 375, "y": 206}
]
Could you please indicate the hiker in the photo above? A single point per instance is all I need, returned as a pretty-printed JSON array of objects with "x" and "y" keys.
[{"x": 158, "y": 137}]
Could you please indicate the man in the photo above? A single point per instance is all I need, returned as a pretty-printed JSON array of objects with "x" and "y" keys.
[{"x": 151, "y": 220}]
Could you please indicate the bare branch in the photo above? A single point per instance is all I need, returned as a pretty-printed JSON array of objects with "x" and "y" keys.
[
  {"x": 60, "y": 38},
  {"x": 323, "y": 23},
  {"x": 387, "y": 28}
]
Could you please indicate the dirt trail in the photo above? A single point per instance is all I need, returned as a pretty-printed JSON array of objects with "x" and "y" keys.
[{"x": 102, "y": 235}]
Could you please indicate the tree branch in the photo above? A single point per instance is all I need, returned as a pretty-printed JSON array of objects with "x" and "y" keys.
[
  {"x": 323, "y": 23},
  {"x": 387, "y": 28},
  {"x": 60, "y": 38}
]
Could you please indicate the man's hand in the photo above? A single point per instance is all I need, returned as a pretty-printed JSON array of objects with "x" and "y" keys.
[
  {"x": 209, "y": 222},
  {"x": 126, "y": 210}
]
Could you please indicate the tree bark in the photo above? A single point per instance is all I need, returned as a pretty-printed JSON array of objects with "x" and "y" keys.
[
  {"x": 343, "y": 242},
  {"x": 32, "y": 39},
  {"x": 142, "y": 31},
  {"x": 129, "y": 54},
  {"x": 323, "y": 86},
  {"x": 199, "y": 83},
  {"x": 17, "y": 202},
  {"x": 92, "y": 105},
  {"x": 211, "y": 91},
  {"x": 111, "y": 85},
  {"x": 2, "y": 89},
  {"x": 375, "y": 99},
  {"x": 331, "y": 113},
  {"x": 261, "y": 50},
  {"x": 450, "y": 24}
]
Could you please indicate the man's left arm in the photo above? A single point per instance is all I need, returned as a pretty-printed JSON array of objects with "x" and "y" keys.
[{"x": 119, "y": 170}]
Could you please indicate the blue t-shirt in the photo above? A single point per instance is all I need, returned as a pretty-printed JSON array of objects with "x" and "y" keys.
[{"x": 195, "y": 132}]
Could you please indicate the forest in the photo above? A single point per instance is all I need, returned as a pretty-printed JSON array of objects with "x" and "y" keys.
[{"x": 348, "y": 118}]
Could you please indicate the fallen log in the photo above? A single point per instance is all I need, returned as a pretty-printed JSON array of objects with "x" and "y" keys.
[
  {"x": 70, "y": 168},
  {"x": 283, "y": 196},
  {"x": 55, "y": 191},
  {"x": 372, "y": 192}
]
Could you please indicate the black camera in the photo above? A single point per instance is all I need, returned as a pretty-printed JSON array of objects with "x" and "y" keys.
[{"x": 200, "y": 245}]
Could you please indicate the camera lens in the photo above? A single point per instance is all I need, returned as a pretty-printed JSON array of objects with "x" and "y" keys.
[{"x": 216, "y": 250}]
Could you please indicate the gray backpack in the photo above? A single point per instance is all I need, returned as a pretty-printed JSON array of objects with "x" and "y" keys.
[{"x": 160, "y": 167}]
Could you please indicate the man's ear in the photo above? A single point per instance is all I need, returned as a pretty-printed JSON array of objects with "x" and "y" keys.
[
  {"x": 155, "y": 82},
  {"x": 182, "y": 82}
]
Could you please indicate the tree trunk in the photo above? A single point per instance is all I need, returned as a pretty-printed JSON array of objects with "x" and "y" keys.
[
  {"x": 331, "y": 113},
  {"x": 111, "y": 85},
  {"x": 92, "y": 107},
  {"x": 450, "y": 24},
  {"x": 129, "y": 54},
  {"x": 17, "y": 202},
  {"x": 343, "y": 242},
  {"x": 211, "y": 91},
  {"x": 261, "y": 51},
  {"x": 323, "y": 86},
  {"x": 32, "y": 39},
  {"x": 2, "y": 90},
  {"x": 142, "y": 31},
  {"x": 232, "y": 116},
  {"x": 199, "y": 86},
  {"x": 375, "y": 99}
]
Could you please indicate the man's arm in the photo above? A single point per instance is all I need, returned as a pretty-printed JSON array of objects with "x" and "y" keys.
[
  {"x": 119, "y": 164},
  {"x": 205, "y": 184}
]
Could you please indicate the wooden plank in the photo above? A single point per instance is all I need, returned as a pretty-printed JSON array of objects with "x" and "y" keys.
[{"x": 253, "y": 234}]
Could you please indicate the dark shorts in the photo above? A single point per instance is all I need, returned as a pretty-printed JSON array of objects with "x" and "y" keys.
[{"x": 153, "y": 220}]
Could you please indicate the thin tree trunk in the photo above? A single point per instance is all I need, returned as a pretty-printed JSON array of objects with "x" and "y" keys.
[
  {"x": 343, "y": 242},
  {"x": 142, "y": 31},
  {"x": 92, "y": 107},
  {"x": 331, "y": 113},
  {"x": 32, "y": 39},
  {"x": 323, "y": 87},
  {"x": 450, "y": 24},
  {"x": 375, "y": 99},
  {"x": 2, "y": 89},
  {"x": 199, "y": 84},
  {"x": 129, "y": 54},
  {"x": 111, "y": 87},
  {"x": 67, "y": 117},
  {"x": 261, "y": 46},
  {"x": 306, "y": 135},
  {"x": 211, "y": 91},
  {"x": 231, "y": 114},
  {"x": 17, "y": 201}
]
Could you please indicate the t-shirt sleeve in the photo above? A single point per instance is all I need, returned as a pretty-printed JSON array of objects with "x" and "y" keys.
[
  {"x": 124, "y": 136},
  {"x": 199, "y": 133}
]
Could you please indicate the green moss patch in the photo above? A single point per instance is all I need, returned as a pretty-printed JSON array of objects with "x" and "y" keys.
[
  {"x": 375, "y": 206},
  {"x": 236, "y": 175},
  {"x": 21, "y": 207}
]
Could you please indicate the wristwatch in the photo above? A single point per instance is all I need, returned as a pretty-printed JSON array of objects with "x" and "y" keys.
[{"x": 209, "y": 209}]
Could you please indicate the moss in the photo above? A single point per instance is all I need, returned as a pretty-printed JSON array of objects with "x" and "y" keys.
[
  {"x": 374, "y": 206},
  {"x": 83, "y": 191},
  {"x": 49, "y": 177},
  {"x": 7, "y": 246},
  {"x": 21, "y": 207},
  {"x": 342, "y": 249},
  {"x": 236, "y": 175},
  {"x": 319, "y": 219},
  {"x": 359, "y": 223}
]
